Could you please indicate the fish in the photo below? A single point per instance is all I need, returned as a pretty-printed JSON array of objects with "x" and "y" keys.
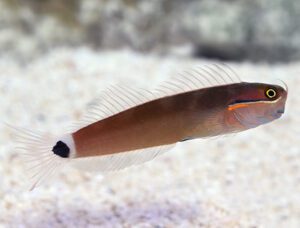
[{"x": 128, "y": 126}]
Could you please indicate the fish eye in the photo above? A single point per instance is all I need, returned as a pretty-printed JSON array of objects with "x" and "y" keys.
[{"x": 271, "y": 93}]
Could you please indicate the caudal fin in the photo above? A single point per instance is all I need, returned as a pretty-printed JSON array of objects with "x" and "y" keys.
[{"x": 37, "y": 152}]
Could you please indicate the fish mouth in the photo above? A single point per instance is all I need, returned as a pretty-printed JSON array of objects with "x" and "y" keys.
[{"x": 280, "y": 111}]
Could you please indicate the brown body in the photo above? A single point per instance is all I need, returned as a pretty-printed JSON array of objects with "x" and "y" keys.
[{"x": 199, "y": 113}]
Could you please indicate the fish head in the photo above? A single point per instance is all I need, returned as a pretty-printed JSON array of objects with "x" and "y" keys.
[{"x": 254, "y": 104}]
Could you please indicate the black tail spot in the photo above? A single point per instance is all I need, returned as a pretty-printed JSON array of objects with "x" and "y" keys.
[{"x": 61, "y": 149}]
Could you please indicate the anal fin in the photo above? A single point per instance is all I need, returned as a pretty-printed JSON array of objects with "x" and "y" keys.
[{"x": 120, "y": 161}]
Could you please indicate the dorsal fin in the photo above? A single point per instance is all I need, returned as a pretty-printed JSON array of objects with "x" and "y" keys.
[
  {"x": 197, "y": 78},
  {"x": 118, "y": 98},
  {"x": 111, "y": 101}
]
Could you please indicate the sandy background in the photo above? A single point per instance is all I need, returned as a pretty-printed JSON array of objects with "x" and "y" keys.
[{"x": 249, "y": 180}]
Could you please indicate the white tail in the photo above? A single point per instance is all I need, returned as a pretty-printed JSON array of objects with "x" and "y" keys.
[{"x": 35, "y": 148}]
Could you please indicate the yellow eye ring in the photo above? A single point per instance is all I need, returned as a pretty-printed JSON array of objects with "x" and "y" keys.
[{"x": 271, "y": 93}]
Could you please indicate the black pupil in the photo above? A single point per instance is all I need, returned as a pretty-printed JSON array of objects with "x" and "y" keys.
[{"x": 271, "y": 93}]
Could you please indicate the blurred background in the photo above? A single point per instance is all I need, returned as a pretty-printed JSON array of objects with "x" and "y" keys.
[
  {"x": 55, "y": 57},
  {"x": 258, "y": 30}
]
